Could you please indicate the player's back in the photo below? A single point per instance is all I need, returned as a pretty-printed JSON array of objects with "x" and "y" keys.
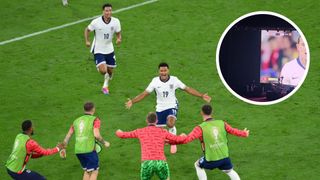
[{"x": 152, "y": 140}]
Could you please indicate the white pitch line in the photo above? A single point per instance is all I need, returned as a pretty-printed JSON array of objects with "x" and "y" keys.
[{"x": 72, "y": 23}]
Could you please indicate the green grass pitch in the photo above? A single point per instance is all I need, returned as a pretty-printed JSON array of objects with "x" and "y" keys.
[{"x": 47, "y": 78}]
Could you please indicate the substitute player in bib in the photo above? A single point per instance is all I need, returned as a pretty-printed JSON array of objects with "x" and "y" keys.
[
  {"x": 104, "y": 28},
  {"x": 167, "y": 104},
  {"x": 152, "y": 140},
  {"x": 25, "y": 148},
  {"x": 86, "y": 130},
  {"x": 293, "y": 71},
  {"x": 213, "y": 137}
]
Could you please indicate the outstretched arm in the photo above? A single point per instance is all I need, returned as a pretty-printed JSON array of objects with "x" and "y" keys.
[
  {"x": 194, "y": 92},
  {"x": 173, "y": 139},
  {"x": 130, "y": 134},
  {"x": 37, "y": 151},
  {"x": 138, "y": 98},
  {"x": 235, "y": 131},
  {"x": 196, "y": 133}
]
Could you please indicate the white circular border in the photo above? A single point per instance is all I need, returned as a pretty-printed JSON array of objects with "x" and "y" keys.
[{"x": 218, "y": 54}]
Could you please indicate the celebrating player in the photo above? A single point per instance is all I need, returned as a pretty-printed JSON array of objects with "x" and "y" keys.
[
  {"x": 167, "y": 105},
  {"x": 293, "y": 71},
  {"x": 86, "y": 129},
  {"x": 152, "y": 140},
  {"x": 102, "y": 47},
  {"x": 213, "y": 137},
  {"x": 25, "y": 148}
]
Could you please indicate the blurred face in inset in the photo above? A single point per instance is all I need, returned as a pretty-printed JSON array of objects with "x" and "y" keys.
[
  {"x": 287, "y": 47},
  {"x": 164, "y": 73},
  {"x": 286, "y": 43},
  {"x": 274, "y": 45},
  {"x": 107, "y": 12},
  {"x": 302, "y": 49}
]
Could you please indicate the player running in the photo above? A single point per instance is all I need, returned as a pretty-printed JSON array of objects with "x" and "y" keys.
[
  {"x": 152, "y": 140},
  {"x": 102, "y": 47},
  {"x": 213, "y": 137},
  {"x": 86, "y": 130},
  {"x": 25, "y": 148},
  {"x": 167, "y": 104}
]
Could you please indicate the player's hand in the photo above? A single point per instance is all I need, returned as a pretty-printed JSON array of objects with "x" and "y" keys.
[
  {"x": 106, "y": 144},
  {"x": 118, "y": 41},
  {"x": 118, "y": 131},
  {"x": 183, "y": 135},
  {"x": 63, "y": 153},
  {"x": 247, "y": 132},
  {"x": 88, "y": 44},
  {"x": 61, "y": 146},
  {"x": 129, "y": 103},
  {"x": 206, "y": 97}
]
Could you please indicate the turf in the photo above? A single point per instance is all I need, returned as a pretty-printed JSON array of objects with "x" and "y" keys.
[{"x": 47, "y": 78}]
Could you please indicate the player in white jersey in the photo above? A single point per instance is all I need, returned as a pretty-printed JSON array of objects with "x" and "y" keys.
[
  {"x": 167, "y": 105},
  {"x": 104, "y": 28},
  {"x": 293, "y": 71}
]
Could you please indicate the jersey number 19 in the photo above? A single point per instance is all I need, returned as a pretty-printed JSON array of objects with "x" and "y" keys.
[
  {"x": 165, "y": 93},
  {"x": 106, "y": 36}
]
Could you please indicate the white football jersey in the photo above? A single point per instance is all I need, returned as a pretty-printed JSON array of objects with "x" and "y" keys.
[
  {"x": 292, "y": 72},
  {"x": 166, "y": 92},
  {"x": 103, "y": 34}
]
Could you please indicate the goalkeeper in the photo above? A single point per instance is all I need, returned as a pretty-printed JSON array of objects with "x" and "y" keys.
[{"x": 152, "y": 140}]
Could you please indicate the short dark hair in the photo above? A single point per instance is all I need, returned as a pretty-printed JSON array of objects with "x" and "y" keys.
[
  {"x": 88, "y": 106},
  {"x": 152, "y": 117},
  {"x": 163, "y": 64},
  {"x": 26, "y": 125},
  {"x": 106, "y": 5},
  {"x": 206, "y": 109}
]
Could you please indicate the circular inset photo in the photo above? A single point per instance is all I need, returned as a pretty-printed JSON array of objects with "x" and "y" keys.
[{"x": 262, "y": 58}]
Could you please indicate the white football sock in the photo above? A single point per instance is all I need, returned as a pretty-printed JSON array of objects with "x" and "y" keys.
[
  {"x": 65, "y": 2},
  {"x": 173, "y": 130},
  {"x": 201, "y": 173},
  {"x": 106, "y": 80},
  {"x": 232, "y": 174}
]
